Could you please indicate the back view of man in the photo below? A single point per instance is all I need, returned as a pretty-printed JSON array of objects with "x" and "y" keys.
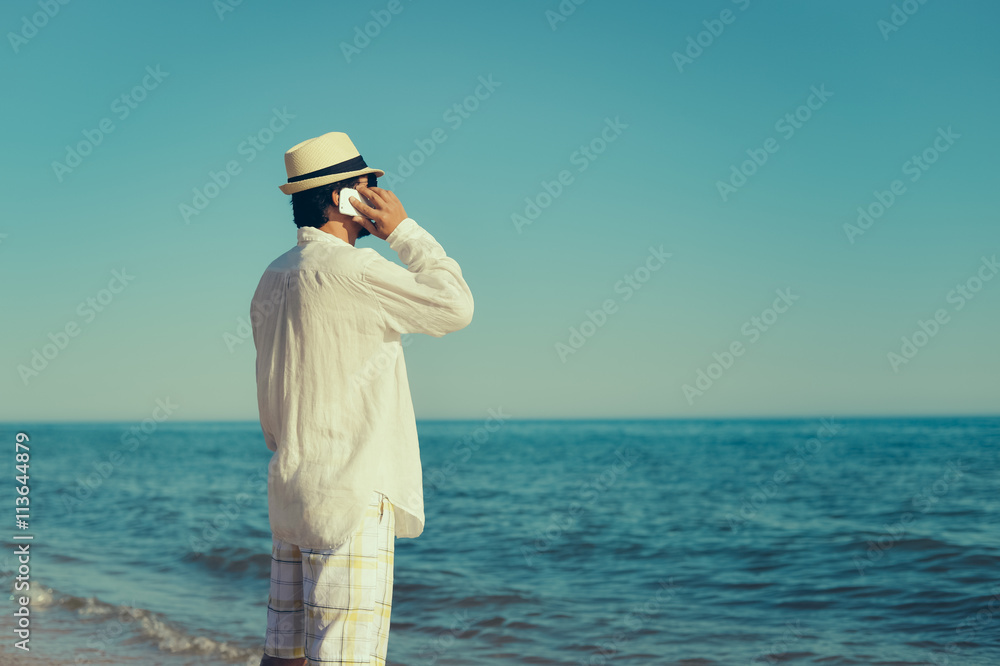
[{"x": 345, "y": 477}]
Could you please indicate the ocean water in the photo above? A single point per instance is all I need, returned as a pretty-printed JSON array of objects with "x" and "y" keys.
[{"x": 814, "y": 541}]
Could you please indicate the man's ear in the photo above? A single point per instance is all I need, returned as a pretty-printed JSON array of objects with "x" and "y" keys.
[{"x": 335, "y": 196}]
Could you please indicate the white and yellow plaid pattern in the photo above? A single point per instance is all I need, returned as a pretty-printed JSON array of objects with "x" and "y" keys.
[{"x": 333, "y": 606}]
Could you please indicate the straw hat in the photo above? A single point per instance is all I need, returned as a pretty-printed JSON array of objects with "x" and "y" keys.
[{"x": 325, "y": 159}]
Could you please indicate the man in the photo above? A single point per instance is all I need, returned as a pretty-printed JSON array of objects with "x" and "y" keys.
[{"x": 345, "y": 477}]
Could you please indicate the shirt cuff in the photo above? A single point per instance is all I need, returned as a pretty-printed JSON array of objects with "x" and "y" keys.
[{"x": 404, "y": 231}]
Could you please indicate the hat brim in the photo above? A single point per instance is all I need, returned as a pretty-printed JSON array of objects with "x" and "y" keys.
[{"x": 292, "y": 188}]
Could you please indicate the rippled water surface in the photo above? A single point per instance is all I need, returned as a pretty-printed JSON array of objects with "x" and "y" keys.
[{"x": 547, "y": 542}]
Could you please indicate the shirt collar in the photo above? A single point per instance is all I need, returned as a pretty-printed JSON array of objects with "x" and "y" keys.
[{"x": 307, "y": 234}]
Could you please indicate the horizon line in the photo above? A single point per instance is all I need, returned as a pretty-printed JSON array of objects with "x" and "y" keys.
[{"x": 851, "y": 417}]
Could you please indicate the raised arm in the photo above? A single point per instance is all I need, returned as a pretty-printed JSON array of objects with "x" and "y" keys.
[{"x": 430, "y": 295}]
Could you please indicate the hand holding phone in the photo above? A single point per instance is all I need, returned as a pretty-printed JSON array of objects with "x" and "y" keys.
[
  {"x": 381, "y": 211},
  {"x": 346, "y": 207}
]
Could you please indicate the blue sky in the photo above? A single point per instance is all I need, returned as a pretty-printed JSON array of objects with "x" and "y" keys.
[{"x": 651, "y": 113}]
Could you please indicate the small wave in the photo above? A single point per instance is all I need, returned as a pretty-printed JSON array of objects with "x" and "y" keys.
[
  {"x": 925, "y": 543},
  {"x": 978, "y": 561},
  {"x": 492, "y": 599},
  {"x": 233, "y": 560},
  {"x": 908, "y": 543},
  {"x": 748, "y": 586},
  {"x": 142, "y": 624}
]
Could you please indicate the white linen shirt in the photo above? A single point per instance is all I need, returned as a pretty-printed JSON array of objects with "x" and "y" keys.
[{"x": 332, "y": 390}]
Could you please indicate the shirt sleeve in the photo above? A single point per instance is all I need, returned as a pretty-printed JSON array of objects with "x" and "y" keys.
[{"x": 429, "y": 296}]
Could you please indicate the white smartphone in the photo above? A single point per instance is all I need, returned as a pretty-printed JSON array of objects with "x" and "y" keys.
[{"x": 345, "y": 205}]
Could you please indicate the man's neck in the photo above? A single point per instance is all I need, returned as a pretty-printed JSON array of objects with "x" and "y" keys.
[{"x": 335, "y": 228}]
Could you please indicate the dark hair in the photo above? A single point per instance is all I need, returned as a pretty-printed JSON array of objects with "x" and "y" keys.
[{"x": 309, "y": 206}]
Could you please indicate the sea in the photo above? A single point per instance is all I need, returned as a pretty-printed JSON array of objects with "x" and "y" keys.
[{"x": 822, "y": 540}]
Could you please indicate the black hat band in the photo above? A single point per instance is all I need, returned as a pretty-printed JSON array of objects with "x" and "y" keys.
[{"x": 353, "y": 164}]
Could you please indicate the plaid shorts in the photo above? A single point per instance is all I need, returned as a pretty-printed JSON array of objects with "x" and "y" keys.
[{"x": 333, "y": 606}]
